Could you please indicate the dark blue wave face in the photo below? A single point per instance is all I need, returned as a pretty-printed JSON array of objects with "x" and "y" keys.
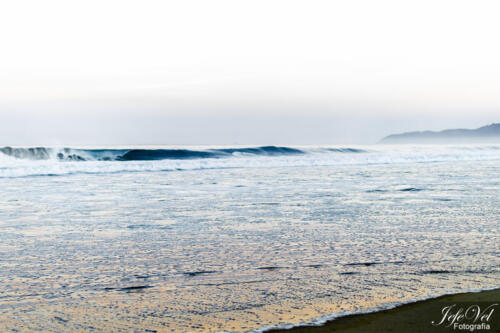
[
  {"x": 164, "y": 154},
  {"x": 346, "y": 150},
  {"x": 177, "y": 154},
  {"x": 68, "y": 154},
  {"x": 266, "y": 150}
]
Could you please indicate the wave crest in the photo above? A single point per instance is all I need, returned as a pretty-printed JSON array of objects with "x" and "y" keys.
[{"x": 69, "y": 154}]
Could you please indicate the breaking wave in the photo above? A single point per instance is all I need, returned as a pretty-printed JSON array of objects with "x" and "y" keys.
[
  {"x": 163, "y": 154},
  {"x": 47, "y": 161},
  {"x": 69, "y": 154}
]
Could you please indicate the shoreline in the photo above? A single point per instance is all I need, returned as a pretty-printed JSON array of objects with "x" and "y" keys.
[{"x": 413, "y": 316}]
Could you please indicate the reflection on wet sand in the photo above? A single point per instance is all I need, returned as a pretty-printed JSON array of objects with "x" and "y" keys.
[{"x": 240, "y": 249}]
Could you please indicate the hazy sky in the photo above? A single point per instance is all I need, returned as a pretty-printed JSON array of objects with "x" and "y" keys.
[{"x": 247, "y": 72}]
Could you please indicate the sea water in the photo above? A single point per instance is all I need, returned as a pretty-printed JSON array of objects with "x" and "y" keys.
[{"x": 206, "y": 239}]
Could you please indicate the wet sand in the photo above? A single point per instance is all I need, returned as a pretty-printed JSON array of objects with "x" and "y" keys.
[
  {"x": 414, "y": 317},
  {"x": 239, "y": 249}
]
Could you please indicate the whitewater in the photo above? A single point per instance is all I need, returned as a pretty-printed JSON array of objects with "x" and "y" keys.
[
  {"x": 50, "y": 161},
  {"x": 239, "y": 238}
]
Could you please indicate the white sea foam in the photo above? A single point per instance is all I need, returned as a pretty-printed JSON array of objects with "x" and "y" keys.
[
  {"x": 253, "y": 237},
  {"x": 382, "y": 307},
  {"x": 313, "y": 156}
]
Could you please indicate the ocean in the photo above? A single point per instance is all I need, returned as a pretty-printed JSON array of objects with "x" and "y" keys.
[{"x": 240, "y": 239}]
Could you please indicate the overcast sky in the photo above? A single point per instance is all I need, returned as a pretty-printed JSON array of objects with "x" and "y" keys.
[{"x": 244, "y": 72}]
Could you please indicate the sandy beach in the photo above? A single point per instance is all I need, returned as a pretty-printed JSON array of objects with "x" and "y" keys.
[
  {"x": 237, "y": 249},
  {"x": 414, "y": 317}
]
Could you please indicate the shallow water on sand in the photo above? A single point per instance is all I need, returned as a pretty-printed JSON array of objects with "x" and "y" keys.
[{"x": 237, "y": 249}]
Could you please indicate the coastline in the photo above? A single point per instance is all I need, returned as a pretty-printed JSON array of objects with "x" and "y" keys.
[{"x": 410, "y": 317}]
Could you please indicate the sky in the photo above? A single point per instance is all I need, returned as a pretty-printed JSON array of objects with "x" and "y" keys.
[{"x": 244, "y": 72}]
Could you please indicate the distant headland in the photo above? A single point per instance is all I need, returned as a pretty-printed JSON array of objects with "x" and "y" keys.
[{"x": 489, "y": 133}]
